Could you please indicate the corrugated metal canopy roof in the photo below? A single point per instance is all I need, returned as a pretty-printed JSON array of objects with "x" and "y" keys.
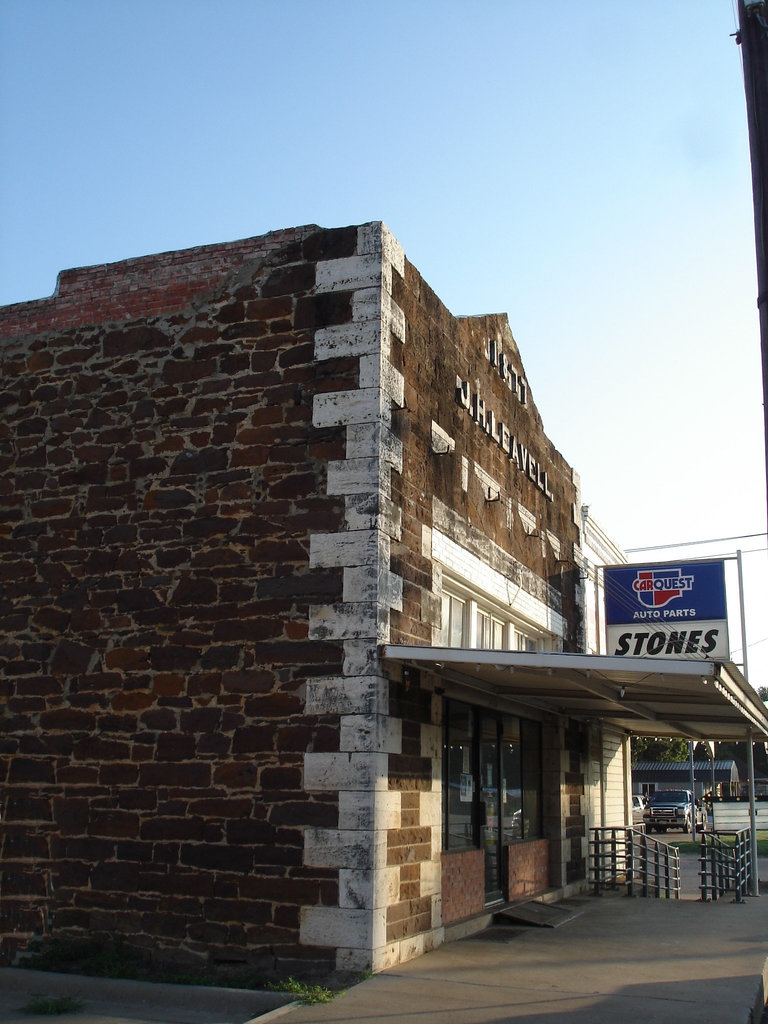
[
  {"x": 705, "y": 700},
  {"x": 648, "y": 771},
  {"x": 721, "y": 765}
]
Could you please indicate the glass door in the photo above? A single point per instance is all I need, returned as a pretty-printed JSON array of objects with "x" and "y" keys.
[{"x": 490, "y": 825}]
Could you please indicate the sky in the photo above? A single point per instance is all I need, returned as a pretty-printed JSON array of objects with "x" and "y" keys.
[{"x": 581, "y": 166}]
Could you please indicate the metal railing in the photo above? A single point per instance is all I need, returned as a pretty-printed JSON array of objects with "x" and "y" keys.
[
  {"x": 628, "y": 857},
  {"x": 725, "y": 866}
]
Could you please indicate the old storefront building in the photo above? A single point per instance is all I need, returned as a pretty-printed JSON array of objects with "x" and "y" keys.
[{"x": 288, "y": 563}]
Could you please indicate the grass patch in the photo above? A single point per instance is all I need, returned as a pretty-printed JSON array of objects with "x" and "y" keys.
[
  {"x": 689, "y": 847},
  {"x": 52, "y": 1006},
  {"x": 306, "y": 994}
]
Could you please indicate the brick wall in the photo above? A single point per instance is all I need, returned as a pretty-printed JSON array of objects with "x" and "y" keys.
[
  {"x": 527, "y": 868},
  {"x": 146, "y": 286},
  {"x": 160, "y": 479},
  {"x": 463, "y": 884}
]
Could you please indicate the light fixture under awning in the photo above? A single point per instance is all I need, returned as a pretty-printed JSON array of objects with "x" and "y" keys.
[{"x": 648, "y": 697}]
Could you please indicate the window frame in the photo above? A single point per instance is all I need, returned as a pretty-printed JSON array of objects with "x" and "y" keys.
[
  {"x": 518, "y": 634},
  {"x": 527, "y": 729}
]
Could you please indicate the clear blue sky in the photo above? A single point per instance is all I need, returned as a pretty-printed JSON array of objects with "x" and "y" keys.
[{"x": 583, "y": 167}]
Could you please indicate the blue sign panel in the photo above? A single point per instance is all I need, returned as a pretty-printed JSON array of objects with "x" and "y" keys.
[{"x": 670, "y": 593}]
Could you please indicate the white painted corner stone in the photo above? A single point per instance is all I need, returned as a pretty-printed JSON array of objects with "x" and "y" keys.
[
  {"x": 361, "y": 657},
  {"x": 337, "y": 926},
  {"x": 354, "y": 547},
  {"x": 430, "y": 809},
  {"x": 372, "y": 440},
  {"x": 376, "y": 733},
  {"x": 431, "y": 740},
  {"x": 376, "y": 372},
  {"x": 375, "y": 237},
  {"x": 371, "y": 811},
  {"x": 333, "y": 847},
  {"x": 374, "y": 889},
  {"x": 373, "y": 511},
  {"x": 364, "y": 583},
  {"x": 431, "y": 878},
  {"x": 356, "y": 476},
  {"x": 352, "y": 272},
  {"x": 334, "y": 772},
  {"x": 338, "y": 408},
  {"x": 355, "y": 339},
  {"x": 347, "y": 621},
  {"x": 346, "y": 695},
  {"x": 377, "y": 304}
]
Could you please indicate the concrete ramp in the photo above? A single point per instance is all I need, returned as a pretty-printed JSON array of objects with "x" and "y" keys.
[{"x": 537, "y": 914}]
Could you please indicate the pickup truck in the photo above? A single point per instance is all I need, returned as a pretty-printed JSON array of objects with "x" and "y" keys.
[{"x": 670, "y": 808}]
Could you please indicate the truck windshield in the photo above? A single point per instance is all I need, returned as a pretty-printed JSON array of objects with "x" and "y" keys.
[{"x": 670, "y": 796}]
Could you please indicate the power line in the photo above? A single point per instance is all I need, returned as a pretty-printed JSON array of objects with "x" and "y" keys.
[{"x": 694, "y": 543}]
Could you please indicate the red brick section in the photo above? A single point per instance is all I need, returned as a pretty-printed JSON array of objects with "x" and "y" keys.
[
  {"x": 146, "y": 286},
  {"x": 527, "y": 868},
  {"x": 159, "y": 480},
  {"x": 463, "y": 884}
]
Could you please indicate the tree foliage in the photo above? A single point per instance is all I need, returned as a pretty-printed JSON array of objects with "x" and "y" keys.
[{"x": 658, "y": 748}]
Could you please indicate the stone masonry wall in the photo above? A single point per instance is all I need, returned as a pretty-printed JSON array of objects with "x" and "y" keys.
[
  {"x": 372, "y": 813},
  {"x": 218, "y": 476},
  {"x": 457, "y": 477},
  {"x": 161, "y": 475}
]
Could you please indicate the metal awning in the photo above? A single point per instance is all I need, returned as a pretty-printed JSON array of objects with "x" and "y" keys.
[{"x": 699, "y": 700}]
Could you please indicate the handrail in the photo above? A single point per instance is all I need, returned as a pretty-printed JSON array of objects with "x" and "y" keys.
[
  {"x": 622, "y": 856},
  {"x": 725, "y": 866}
]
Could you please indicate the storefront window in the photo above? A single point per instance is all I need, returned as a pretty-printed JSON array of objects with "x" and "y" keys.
[
  {"x": 511, "y": 780},
  {"x": 460, "y": 776},
  {"x": 473, "y": 787},
  {"x": 531, "y": 776}
]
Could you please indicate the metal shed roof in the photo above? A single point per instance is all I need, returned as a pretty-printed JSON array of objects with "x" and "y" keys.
[
  {"x": 721, "y": 765},
  {"x": 648, "y": 771},
  {"x": 707, "y": 700}
]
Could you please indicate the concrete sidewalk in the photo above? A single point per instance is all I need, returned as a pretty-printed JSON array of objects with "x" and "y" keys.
[
  {"x": 108, "y": 1001},
  {"x": 637, "y": 961}
]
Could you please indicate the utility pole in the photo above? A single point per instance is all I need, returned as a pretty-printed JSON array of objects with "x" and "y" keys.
[{"x": 753, "y": 37}]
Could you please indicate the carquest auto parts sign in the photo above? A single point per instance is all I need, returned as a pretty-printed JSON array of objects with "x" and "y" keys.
[{"x": 667, "y": 610}]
